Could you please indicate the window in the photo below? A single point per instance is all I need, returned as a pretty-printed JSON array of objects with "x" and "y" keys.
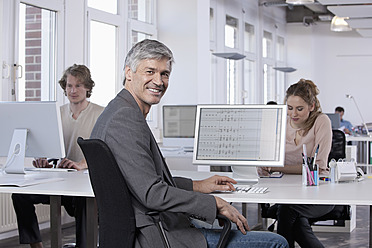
[
  {"x": 138, "y": 36},
  {"x": 36, "y": 55},
  {"x": 231, "y": 81},
  {"x": 280, "y": 86},
  {"x": 141, "y": 10},
  {"x": 231, "y": 32},
  {"x": 211, "y": 25},
  {"x": 109, "y": 6},
  {"x": 269, "y": 84},
  {"x": 267, "y": 45},
  {"x": 280, "y": 48},
  {"x": 105, "y": 24},
  {"x": 249, "y": 38},
  {"x": 103, "y": 62},
  {"x": 250, "y": 87}
]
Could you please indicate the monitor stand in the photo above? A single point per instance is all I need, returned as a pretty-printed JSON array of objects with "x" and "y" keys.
[
  {"x": 15, "y": 162},
  {"x": 246, "y": 175}
]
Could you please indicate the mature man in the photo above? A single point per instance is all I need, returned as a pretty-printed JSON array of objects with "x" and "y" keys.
[
  {"x": 78, "y": 118},
  {"x": 344, "y": 124},
  {"x": 123, "y": 127}
]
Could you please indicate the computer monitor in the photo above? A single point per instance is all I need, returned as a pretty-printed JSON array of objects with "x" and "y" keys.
[
  {"x": 29, "y": 129},
  {"x": 241, "y": 136},
  {"x": 179, "y": 126},
  {"x": 335, "y": 120}
]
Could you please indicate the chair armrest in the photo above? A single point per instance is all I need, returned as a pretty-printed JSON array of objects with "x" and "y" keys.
[{"x": 225, "y": 231}]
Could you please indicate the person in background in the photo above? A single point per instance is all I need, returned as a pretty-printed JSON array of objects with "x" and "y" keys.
[
  {"x": 122, "y": 126},
  {"x": 306, "y": 124},
  {"x": 344, "y": 124},
  {"x": 78, "y": 118}
]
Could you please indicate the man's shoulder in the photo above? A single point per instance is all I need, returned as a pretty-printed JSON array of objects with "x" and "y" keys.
[{"x": 97, "y": 107}]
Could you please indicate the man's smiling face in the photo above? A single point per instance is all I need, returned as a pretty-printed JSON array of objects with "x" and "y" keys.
[{"x": 149, "y": 82}]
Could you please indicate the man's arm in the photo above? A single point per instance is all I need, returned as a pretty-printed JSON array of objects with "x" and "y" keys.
[
  {"x": 222, "y": 183},
  {"x": 214, "y": 183}
]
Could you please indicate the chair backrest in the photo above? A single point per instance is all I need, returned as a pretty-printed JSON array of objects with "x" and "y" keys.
[
  {"x": 338, "y": 149},
  {"x": 115, "y": 211}
]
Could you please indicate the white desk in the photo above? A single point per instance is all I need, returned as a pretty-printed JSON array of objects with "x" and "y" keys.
[
  {"x": 289, "y": 190},
  {"x": 73, "y": 184}
]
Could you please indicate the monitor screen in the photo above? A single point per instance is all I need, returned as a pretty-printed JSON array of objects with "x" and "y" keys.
[
  {"x": 179, "y": 125},
  {"x": 335, "y": 120},
  {"x": 240, "y": 135},
  {"x": 30, "y": 129}
]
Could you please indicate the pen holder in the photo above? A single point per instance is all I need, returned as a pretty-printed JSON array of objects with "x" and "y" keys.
[{"x": 310, "y": 176}]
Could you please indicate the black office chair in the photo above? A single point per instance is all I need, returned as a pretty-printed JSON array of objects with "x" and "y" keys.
[
  {"x": 340, "y": 213},
  {"x": 338, "y": 149},
  {"x": 116, "y": 217}
]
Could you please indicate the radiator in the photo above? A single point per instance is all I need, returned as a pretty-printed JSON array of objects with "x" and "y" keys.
[{"x": 8, "y": 220}]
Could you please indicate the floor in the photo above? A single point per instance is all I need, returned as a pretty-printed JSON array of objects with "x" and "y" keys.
[{"x": 356, "y": 239}]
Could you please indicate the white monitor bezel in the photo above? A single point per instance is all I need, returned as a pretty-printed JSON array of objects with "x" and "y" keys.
[
  {"x": 42, "y": 123},
  {"x": 278, "y": 163},
  {"x": 176, "y": 141}
]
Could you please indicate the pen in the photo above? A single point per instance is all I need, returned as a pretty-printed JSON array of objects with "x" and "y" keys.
[
  {"x": 305, "y": 154},
  {"x": 316, "y": 153}
]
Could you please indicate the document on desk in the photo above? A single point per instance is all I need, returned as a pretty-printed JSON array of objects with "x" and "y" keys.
[{"x": 23, "y": 182}]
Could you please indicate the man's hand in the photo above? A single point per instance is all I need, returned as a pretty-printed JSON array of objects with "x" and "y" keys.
[
  {"x": 263, "y": 171},
  {"x": 233, "y": 214},
  {"x": 214, "y": 183},
  {"x": 66, "y": 163},
  {"x": 347, "y": 131},
  {"x": 41, "y": 163}
]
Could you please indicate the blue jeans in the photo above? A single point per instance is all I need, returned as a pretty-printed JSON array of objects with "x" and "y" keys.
[{"x": 252, "y": 239}]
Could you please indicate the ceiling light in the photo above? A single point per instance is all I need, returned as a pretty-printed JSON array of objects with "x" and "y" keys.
[
  {"x": 298, "y": 2},
  {"x": 339, "y": 24}
]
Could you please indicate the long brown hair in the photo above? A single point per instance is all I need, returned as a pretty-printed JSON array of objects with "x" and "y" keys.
[{"x": 308, "y": 91}]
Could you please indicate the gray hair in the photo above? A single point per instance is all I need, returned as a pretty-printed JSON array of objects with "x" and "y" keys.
[{"x": 147, "y": 49}]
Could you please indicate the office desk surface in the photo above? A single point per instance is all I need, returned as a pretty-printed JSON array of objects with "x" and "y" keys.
[
  {"x": 73, "y": 184},
  {"x": 289, "y": 189},
  {"x": 358, "y": 138}
]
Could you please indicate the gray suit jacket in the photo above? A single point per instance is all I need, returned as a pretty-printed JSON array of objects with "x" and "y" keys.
[{"x": 123, "y": 127}]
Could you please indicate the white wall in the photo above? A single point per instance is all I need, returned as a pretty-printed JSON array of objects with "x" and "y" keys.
[
  {"x": 74, "y": 32},
  {"x": 339, "y": 63},
  {"x": 184, "y": 27}
]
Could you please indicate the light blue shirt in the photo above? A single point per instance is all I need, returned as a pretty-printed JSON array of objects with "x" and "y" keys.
[{"x": 346, "y": 124}]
